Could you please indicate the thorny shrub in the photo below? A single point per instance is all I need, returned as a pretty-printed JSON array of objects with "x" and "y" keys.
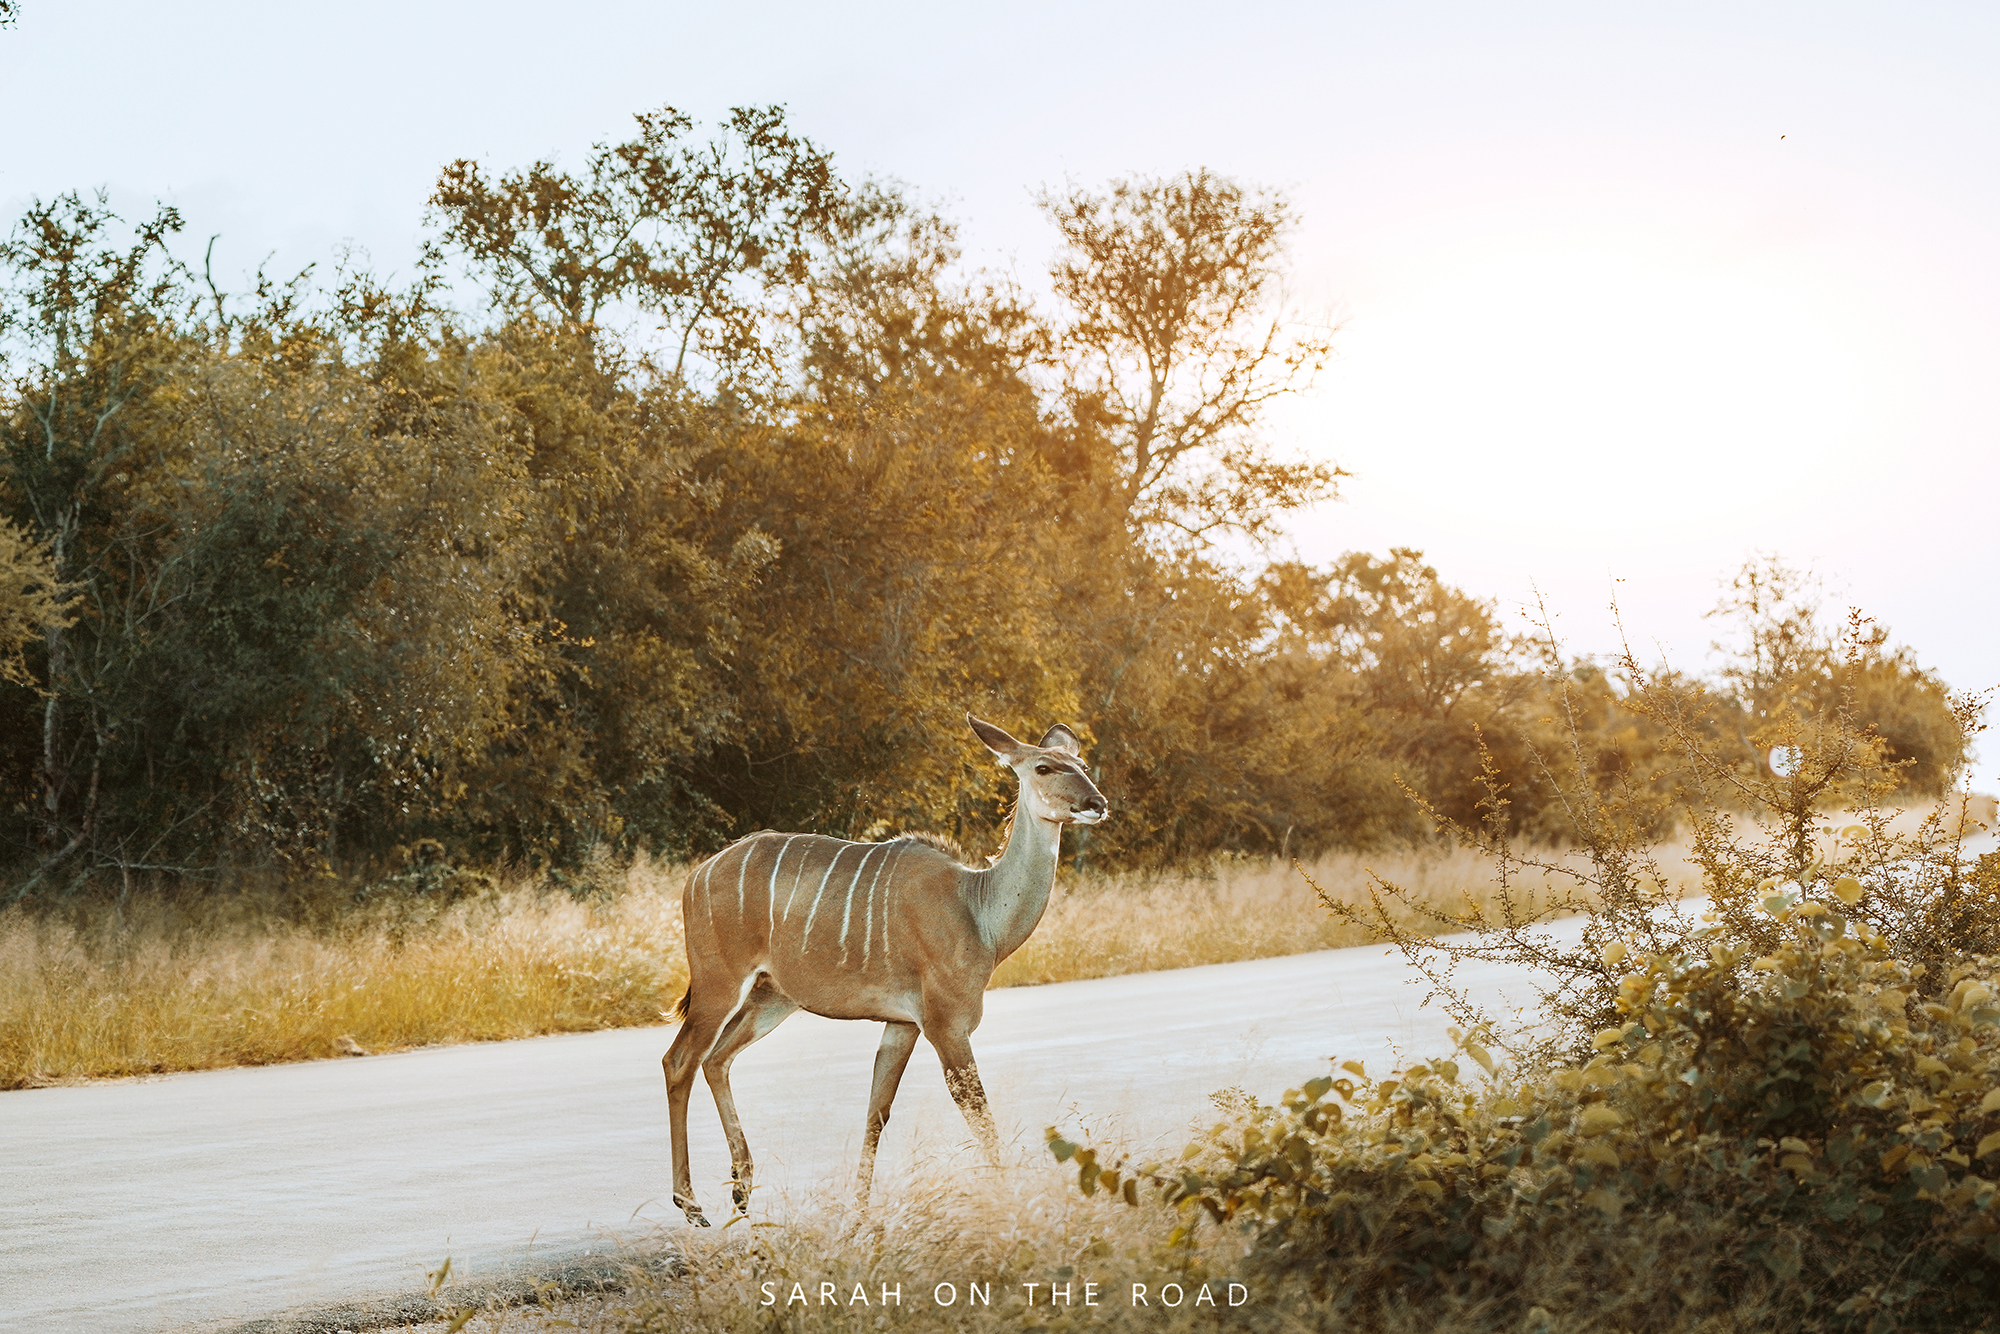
[
  {"x": 1807, "y": 1144},
  {"x": 1777, "y": 1110}
]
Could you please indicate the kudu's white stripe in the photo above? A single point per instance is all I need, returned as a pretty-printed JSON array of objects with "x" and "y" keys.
[
  {"x": 887, "y": 887},
  {"x": 847, "y": 914},
  {"x": 771, "y": 890},
  {"x": 895, "y": 855},
  {"x": 812, "y": 912},
  {"x": 742, "y": 999},
  {"x": 785, "y": 913},
  {"x": 838, "y": 853},
  {"x": 742, "y": 869},
  {"x": 868, "y": 923},
  {"x": 707, "y": 871},
  {"x": 868, "y": 933}
]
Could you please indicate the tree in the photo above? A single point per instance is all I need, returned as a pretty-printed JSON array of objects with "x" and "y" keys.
[
  {"x": 1429, "y": 665},
  {"x": 340, "y": 635},
  {"x": 91, "y": 317},
  {"x": 1419, "y": 646},
  {"x": 1176, "y": 339},
  {"x": 1774, "y": 608},
  {"x": 910, "y": 581},
  {"x": 690, "y": 233},
  {"x": 1785, "y": 659},
  {"x": 702, "y": 237},
  {"x": 882, "y": 307}
]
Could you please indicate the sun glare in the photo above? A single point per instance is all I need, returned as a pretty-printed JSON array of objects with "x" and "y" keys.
[{"x": 1610, "y": 380}]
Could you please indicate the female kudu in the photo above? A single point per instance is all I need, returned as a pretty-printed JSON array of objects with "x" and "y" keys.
[{"x": 897, "y": 931}]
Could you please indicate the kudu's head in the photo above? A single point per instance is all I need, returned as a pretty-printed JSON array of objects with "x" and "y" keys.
[{"x": 1053, "y": 783}]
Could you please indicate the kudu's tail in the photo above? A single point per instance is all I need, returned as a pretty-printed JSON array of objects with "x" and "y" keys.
[{"x": 679, "y": 1011}]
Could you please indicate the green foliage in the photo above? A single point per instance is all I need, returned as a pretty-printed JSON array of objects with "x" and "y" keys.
[
  {"x": 1809, "y": 1140},
  {"x": 29, "y": 605},
  {"x": 86, "y": 329},
  {"x": 719, "y": 514},
  {"x": 1778, "y": 1111}
]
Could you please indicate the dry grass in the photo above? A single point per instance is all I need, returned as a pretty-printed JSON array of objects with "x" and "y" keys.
[
  {"x": 962, "y": 1225},
  {"x": 251, "y": 979},
  {"x": 247, "y": 982},
  {"x": 1255, "y": 909}
]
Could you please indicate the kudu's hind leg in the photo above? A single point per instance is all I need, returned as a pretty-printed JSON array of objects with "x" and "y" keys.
[
  {"x": 699, "y": 1027},
  {"x": 898, "y": 1041},
  {"x": 762, "y": 1010}
]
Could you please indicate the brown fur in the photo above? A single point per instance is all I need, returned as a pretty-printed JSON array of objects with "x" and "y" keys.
[{"x": 945, "y": 845}]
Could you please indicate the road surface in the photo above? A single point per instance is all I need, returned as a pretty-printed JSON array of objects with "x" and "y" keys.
[{"x": 145, "y": 1204}]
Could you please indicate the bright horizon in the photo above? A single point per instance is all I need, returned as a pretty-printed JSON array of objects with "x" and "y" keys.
[{"x": 1624, "y": 299}]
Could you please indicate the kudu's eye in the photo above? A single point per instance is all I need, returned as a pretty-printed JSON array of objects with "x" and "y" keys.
[{"x": 1043, "y": 769}]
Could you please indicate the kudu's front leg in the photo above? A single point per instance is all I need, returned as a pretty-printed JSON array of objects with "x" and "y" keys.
[
  {"x": 898, "y": 1041},
  {"x": 961, "y": 1077}
]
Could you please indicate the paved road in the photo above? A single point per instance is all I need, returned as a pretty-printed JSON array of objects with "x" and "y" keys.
[{"x": 145, "y": 1204}]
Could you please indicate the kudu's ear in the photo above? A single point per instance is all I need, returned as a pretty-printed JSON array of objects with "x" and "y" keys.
[
  {"x": 1062, "y": 739},
  {"x": 997, "y": 741}
]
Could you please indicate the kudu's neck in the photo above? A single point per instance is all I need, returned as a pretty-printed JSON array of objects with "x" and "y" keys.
[{"x": 1009, "y": 897}]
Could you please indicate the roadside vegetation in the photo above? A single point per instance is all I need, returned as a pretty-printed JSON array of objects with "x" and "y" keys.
[
  {"x": 439, "y": 955},
  {"x": 160, "y": 986},
  {"x": 1780, "y": 1112},
  {"x": 1777, "y": 1111}
]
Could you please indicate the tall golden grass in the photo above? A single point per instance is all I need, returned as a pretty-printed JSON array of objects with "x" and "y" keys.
[
  {"x": 185, "y": 987},
  {"x": 255, "y": 978}
]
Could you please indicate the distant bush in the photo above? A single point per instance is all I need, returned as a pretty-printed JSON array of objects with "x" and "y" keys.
[{"x": 1824, "y": 828}]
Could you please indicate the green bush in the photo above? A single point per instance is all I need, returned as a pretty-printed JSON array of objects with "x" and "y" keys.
[{"x": 1801, "y": 1143}]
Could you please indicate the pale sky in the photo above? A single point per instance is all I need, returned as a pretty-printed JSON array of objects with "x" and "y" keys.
[{"x": 1627, "y": 293}]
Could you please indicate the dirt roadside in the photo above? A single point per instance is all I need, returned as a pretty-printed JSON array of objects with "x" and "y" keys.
[{"x": 583, "y": 1293}]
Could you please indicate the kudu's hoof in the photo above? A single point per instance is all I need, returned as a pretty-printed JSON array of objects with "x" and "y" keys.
[{"x": 692, "y": 1210}]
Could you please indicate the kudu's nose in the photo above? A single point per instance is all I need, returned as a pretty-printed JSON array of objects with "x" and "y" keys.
[{"x": 1095, "y": 805}]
